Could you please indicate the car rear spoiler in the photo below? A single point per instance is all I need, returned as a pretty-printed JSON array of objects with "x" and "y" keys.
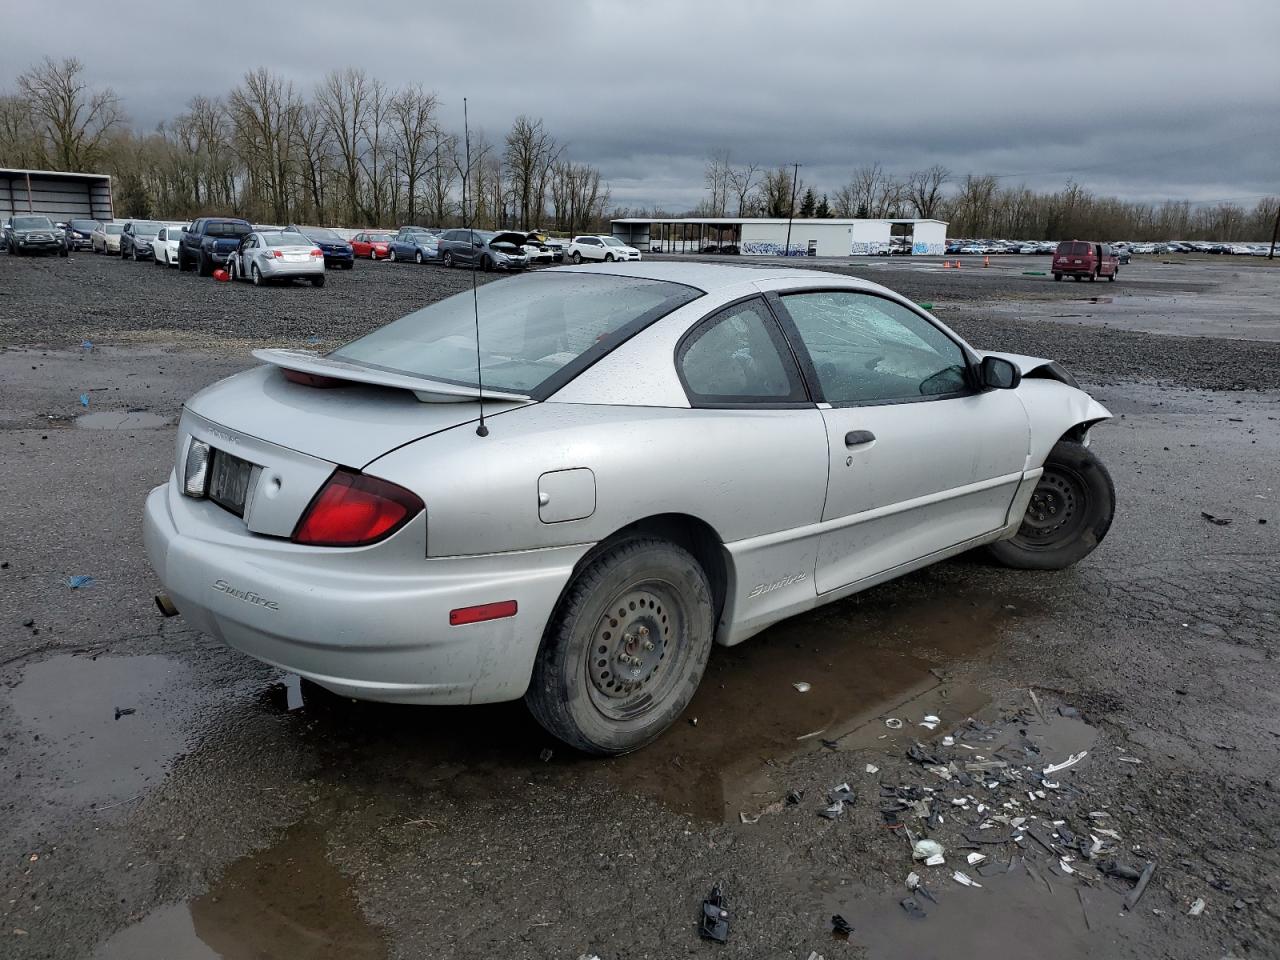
[{"x": 424, "y": 388}]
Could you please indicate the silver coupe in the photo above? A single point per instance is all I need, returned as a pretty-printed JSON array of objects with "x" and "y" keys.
[{"x": 671, "y": 455}]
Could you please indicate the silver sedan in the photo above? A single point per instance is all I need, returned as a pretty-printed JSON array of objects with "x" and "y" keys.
[
  {"x": 635, "y": 462},
  {"x": 267, "y": 255}
]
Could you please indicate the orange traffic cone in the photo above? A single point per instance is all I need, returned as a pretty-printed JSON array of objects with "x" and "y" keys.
[
  {"x": 946, "y": 264},
  {"x": 986, "y": 261},
  {"x": 957, "y": 264}
]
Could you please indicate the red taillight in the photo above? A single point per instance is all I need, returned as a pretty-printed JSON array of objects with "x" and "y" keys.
[
  {"x": 354, "y": 510},
  {"x": 317, "y": 253},
  {"x": 482, "y": 612},
  {"x": 274, "y": 254}
]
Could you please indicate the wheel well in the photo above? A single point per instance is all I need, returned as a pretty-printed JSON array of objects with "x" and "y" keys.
[
  {"x": 694, "y": 535},
  {"x": 1079, "y": 433}
]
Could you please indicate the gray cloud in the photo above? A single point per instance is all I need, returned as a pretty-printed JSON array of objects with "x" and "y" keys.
[{"x": 1148, "y": 102}]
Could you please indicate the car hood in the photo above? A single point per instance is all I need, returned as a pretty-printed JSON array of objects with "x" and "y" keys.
[{"x": 353, "y": 424}]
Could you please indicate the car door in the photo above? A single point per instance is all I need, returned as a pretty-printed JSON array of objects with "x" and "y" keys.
[
  {"x": 742, "y": 379},
  {"x": 919, "y": 460}
]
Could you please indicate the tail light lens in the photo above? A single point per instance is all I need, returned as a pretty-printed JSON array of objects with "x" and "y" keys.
[
  {"x": 317, "y": 253},
  {"x": 355, "y": 510}
]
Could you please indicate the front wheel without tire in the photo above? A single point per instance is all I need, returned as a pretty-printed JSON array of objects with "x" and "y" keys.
[
  {"x": 626, "y": 648},
  {"x": 1070, "y": 512}
]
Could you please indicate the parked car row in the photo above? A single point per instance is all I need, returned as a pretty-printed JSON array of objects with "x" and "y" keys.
[{"x": 1122, "y": 248}]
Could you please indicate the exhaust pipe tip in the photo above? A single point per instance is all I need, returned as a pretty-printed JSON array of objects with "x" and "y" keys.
[{"x": 165, "y": 605}]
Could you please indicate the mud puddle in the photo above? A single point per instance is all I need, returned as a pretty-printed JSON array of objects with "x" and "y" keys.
[
  {"x": 121, "y": 420},
  {"x": 863, "y": 659},
  {"x": 101, "y": 729},
  {"x": 285, "y": 901}
]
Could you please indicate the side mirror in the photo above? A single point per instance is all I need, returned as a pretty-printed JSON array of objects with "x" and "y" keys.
[
  {"x": 478, "y": 244},
  {"x": 998, "y": 373}
]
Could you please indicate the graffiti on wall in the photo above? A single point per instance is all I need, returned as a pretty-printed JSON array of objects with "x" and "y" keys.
[
  {"x": 767, "y": 248},
  {"x": 869, "y": 248},
  {"x": 922, "y": 249}
]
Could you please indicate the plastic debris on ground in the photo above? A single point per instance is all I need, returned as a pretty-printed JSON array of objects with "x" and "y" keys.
[
  {"x": 840, "y": 926},
  {"x": 78, "y": 581},
  {"x": 802, "y": 687},
  {"x": 1197, "y": 907},
  {"x": 927, "y": 849},
  {"x": 1216, "y": 521},
  {"x": 930, "y": 722},
  {"x": 84, "y": 399},
  {"x": 714, "y": 923},
  {"x": 893, "y": 723},
  {"x": 965, "y": 879},
  {"x": 1071, "y": 761},
  {"x": 872, "y": 768},
  {"x": 546, "y": 754},
  {"x": 913, "y": 908}
]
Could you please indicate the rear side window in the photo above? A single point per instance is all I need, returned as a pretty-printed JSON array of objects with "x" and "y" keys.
[{"x": 738, "y": 356}]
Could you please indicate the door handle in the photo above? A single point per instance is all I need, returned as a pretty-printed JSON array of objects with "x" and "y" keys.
[{"x": 856, "y": 438}]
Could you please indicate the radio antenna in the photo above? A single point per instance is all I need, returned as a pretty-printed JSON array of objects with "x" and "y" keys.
[{"x": 482, "y": 430}]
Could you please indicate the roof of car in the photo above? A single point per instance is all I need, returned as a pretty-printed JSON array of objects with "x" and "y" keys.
[{"x": 714, "y": 276}]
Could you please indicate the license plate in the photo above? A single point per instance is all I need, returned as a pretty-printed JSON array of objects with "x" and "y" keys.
[{"x": 229, "y": 482}]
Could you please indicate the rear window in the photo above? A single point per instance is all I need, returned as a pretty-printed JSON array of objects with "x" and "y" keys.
[
  {"x": 1069, "y": 248},
  {"x": 285, "y": 240},
  {"x": 531, "y": 329},
  {"x": 225, "y": 229},
  {"x": 321, "y": 234}
]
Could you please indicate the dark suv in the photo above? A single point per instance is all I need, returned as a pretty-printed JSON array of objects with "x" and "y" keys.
[
  {"x": 209, "y": 242},
  {"x": 137, "y": 238},
  {"x": 337, "y": 252},
  {"x": 482, "y": 248}
]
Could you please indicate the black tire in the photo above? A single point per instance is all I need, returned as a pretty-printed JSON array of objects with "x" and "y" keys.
[
  {"x": 1069, "y": 514},
  {"x": 318, "y": 281},
  {"x": 417, "y": 257},
  {"x": 448, "y": 259},
  {"x": 659, "y": 588},
  {"x": 608, "y": 258},
  {"x": 486, "y": 264},
  {"x": 1112, "y": 278},
  {"x": 576, "y": 257},
  {"x": 1057, "y": 276},
  {"x": 202, "y": 265},
  {"x": 62, "y": 251}
]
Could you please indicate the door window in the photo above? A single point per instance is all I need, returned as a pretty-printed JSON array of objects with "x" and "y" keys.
[
  {"x": 867, "y": 349},
  {"x": 738, "y": 356}
]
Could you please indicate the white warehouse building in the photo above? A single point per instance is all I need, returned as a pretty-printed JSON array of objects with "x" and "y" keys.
[{"x": 768, "y": 236}]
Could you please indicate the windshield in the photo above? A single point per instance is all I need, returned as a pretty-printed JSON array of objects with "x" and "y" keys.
[
  {"x": 531, "y": 328},
  {"x": 146, "y": 228},
  {"x": 32, "y": 223},
  {"x": 612, "y": 242},
  {"x": 285, "y": 240},
  {"x": 82, "y": 224},
  {"x": 225, "y": 229},
  {"x": 114, "y": 228}
]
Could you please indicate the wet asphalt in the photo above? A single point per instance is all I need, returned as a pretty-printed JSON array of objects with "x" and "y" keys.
[{"x": 161, "y": 795}]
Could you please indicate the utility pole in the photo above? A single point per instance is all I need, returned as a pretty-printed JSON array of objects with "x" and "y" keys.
[
  {"x": 791, "y": 211},
  {"x": 1275, "y": 232}
]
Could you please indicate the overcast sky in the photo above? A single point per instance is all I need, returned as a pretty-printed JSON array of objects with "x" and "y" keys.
[{"x": 1147, "y": 100}]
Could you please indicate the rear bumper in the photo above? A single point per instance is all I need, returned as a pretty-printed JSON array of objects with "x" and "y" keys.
[
  {"x": 339, "y": 259},
  {"x": 370, "y": 623},
  {"x": 312, "y": 267}
]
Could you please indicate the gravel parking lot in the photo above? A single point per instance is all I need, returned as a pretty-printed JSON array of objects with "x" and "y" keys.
[{"x": 164, "y": 796}]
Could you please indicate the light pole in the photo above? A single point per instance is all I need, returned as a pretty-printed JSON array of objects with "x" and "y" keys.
[
  {"x": 1275, "y": 233},
  {"x": 791, "y": 211}
]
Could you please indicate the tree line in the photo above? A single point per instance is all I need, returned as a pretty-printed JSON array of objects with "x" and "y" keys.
[
  {"x": 974, "y": 205},
  {"x": 353, "y": 151}
]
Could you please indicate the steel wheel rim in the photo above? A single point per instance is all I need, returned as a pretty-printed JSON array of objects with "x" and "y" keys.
[
  {"x": 1056, "y": 512},
  {"x": 635, "y": 651}
]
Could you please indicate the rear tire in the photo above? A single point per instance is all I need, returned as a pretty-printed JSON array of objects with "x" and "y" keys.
[
  {"x": 647, "y": 600},
  {"x": 1112, "y": 278},
  {"x": 486, "y": 264},
  {"x": 608, "y": 258},
  {"x": 448, "y": 259},
  {"x": 1057, "y": 276},
  {"x": 1070, "y": 512},
  {"x": 202, "y": 266},
  {"x": 318, "y": 281}
]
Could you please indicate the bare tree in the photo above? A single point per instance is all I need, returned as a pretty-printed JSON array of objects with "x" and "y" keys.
[
  {"x": 343, "y": 100},
  {"x": 924, "y": 190},
  {"x": 20, "y": 144},
  {"x": 716, "y": 175},
  {"x": 774, "y": 195},
  {"x": 443, "y": 171},
  {"x": 372, "y": 164},
  {"x": 413, "y": 117},
  {"x": 314, "y": 145},
  {"x": 266, "y": 111},
  {"x": 530, "y": 152},
  {"x": 741, "y": 180},
  {"x": 578, "y": 196},
  {"x": 73, "y": 120}
]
